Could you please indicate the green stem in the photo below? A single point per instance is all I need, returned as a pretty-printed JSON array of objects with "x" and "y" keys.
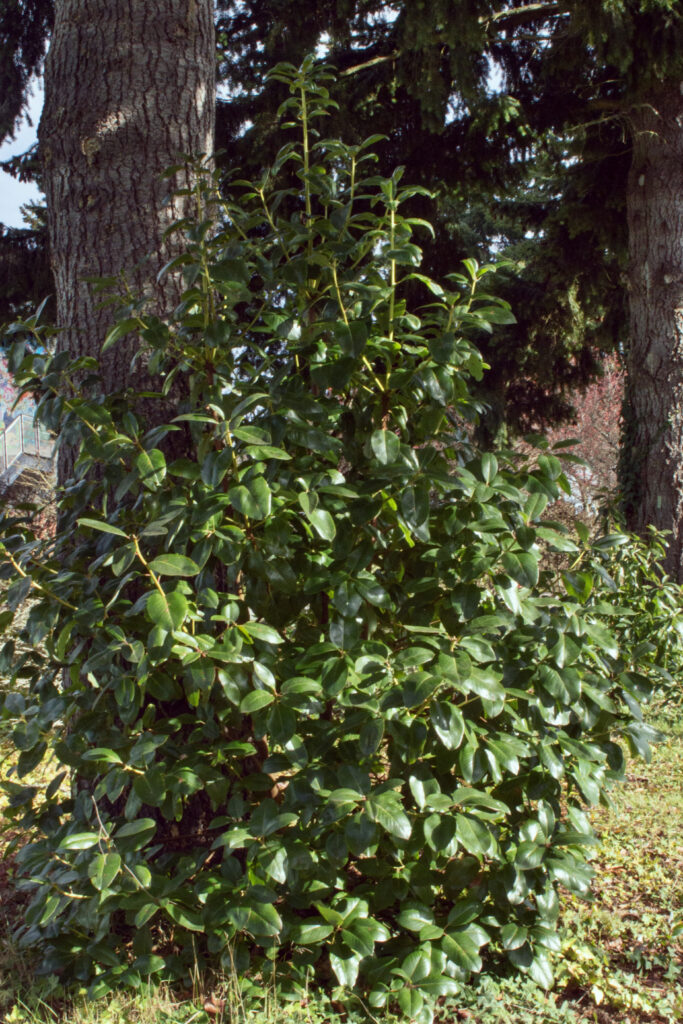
[
  {"x": 38, "y": 586},
  {"x": 155, "y": 578},
  {"x": 307, "y": 161},
  {"x": 338, "y": 291},
  {"x": 392, "y": 280},
  {"x": 273, "y": 226}
]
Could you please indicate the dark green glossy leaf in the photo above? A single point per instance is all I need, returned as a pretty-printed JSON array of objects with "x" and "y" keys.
[
  {"x": 260, "y": 631},
  {"x": 167, "y": 610},
  {"x": 323, "y": 523},
  {"x": 386, "y": 446},
  {"x": 97, "y": 524},
  {"x": 151, "y": 466},
  {"x": 173, "y": 565},
  {"x": 522, "y": 567},
  {"x": 448, "y": 723},
  {"x": 79, "y": 841},
  {"x": 255, "y": 701},
  {"x": 385, "y": 809},
  {"x": 345, "y": 968},
  {"x": 462, "y": 951}
]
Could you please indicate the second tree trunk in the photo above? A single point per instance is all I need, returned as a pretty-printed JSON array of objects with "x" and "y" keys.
[{"x": 652, "y": 470}]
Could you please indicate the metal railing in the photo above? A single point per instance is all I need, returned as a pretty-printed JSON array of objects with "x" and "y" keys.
[{"x": 22, "y": 437}]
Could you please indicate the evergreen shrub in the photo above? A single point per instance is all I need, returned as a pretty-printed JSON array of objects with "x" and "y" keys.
[{"x": 317, "y": 710}]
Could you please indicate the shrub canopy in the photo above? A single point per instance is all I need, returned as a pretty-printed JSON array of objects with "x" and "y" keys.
[{"x": 322, "y": 710}]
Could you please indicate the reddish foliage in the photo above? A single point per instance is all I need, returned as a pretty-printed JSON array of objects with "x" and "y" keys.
[{"x": 597, "y": 428}]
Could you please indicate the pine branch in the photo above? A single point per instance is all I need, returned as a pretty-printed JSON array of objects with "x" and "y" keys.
[
  {"x": 369, "y": 63},
  {"x": 522, "y": 15}
]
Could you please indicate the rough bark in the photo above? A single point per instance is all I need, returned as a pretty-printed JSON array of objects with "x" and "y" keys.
[
  {"x": 652, "y": 469},
  {"x": 129, "y": 87}
]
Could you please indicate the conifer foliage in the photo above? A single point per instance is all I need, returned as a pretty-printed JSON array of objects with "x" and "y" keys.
[{"x": 323, "y": 712}]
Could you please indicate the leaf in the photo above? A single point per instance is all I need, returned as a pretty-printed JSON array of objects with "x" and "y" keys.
[
  {"x": 260, "y": 631},
  {"x": 344, "y": 795},
  {"x": 344, "y": 633},
  {"x": 473, "y": 835},
  {"x": 462, "y": 950},
  {"x": 485, "y": 684},
  {"x": 149, "y": 963},
  {"x": 370, "y": 737},
  {"x": 51, "y": 906},
  {"x": 495, "y": 314},
  {"x": 143, "y": 874},
  {"x": 145, "y": 914},
  {"x": 140, "y": 832},
  {"x": 311, "y": 932},
  {"x": 386, "y": 810},
  {"x": 17, "y": 592},
  {"x": 439, "y": 831},
  {"x": 504, "y": 754},
  {"x": 448, "y": 724},
  {"x": 167, "y": 610},
  {"x": 489, "y": 467},
  {"x": 513, "y": 935},
  {"x": 258, "y": 919},
  {"x": 411, "y": 1001},
  {"x": 345, "y": 968},
  {"x": 185, "y": 918},
  {"x": 351, "y": 336},
  {"x": 415, "y": 506},
  {"x": 79, "y": 841},
  {"x": 414, "y": 916},
  {"x": 282, "y": 723},
  {"x": 150, "y": 787},
  {"x": 374, "y": 593},
  {"x": 423, "y": 785},
  {"x": 323, "y": 523},
  {"x": 439, "y": 985},
  {"x": 173, "y": 565},
  {"x": 255, "y": 701},
  {"x": 386, "y": 446},
  {"x": 262, "y": 495},
  {"x": 275, "y": 864},
  {"x": 522, "y": 567},
  {"x": 361, "y": 834},
  {"x": 267, "y": 818},
  {"x": 151, "y": 466},
  {"x": 118, "y": 331},
  {"x": 103, "y": 754},
  {"x": 96, "y": 524},
  {"x": 347, "y": 600},
  {"x": 641, "y": 736},
  {"x": 578, "y": 584},
  {"x": 103, "y": 869},
  {"x": 417, "y": 965},
  {"x": 252, "y": 435},
  {"x": 243, "y": 501},
  {"x": 603, "y": 638},
  {"x": 541, "y": 971}
]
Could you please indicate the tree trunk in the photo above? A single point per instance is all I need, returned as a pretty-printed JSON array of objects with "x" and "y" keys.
[
  {"x": 652, "y": 469},
  {"x": 129, "y": 88}
]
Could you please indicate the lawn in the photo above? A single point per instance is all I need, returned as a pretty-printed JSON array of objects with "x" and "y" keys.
[{"x": 622, "y": 959}]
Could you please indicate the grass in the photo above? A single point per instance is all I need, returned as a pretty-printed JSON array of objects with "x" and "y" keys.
[
  {"x": 623, "y": 952},
  {"x": 622, "y": 958}
]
